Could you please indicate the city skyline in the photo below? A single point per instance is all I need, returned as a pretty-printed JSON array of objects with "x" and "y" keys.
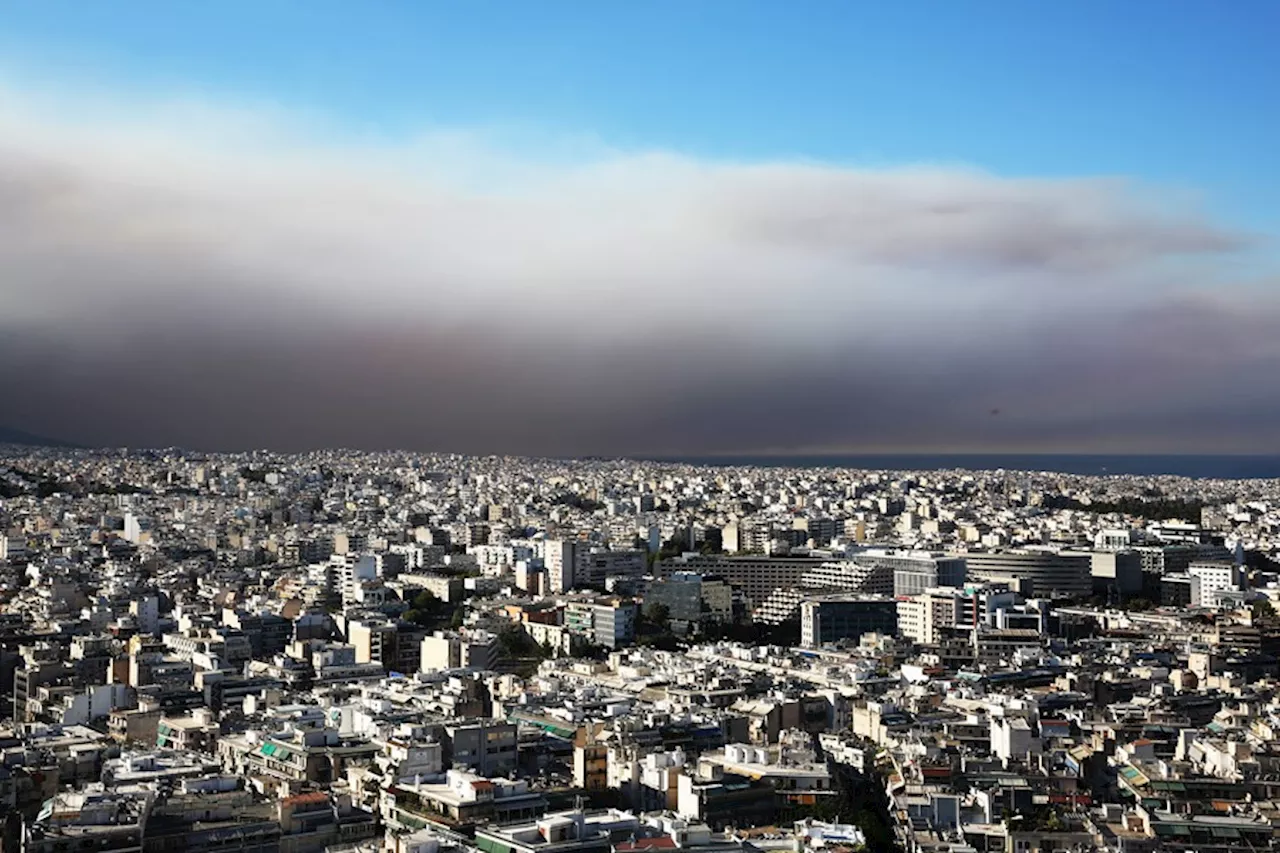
[
  {"x": 861, "y": 230},
  {"x": 729, "y": 426}
]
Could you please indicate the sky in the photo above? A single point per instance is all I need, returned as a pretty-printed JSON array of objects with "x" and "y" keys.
[{"x": 569, "y": 228}]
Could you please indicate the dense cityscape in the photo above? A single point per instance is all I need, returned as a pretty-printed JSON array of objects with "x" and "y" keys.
[
  {"x": 348, "y": 651},
  {"x": 728, "y": 426}
]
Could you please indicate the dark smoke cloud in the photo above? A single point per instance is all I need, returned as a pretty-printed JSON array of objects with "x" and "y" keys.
[{"x": 219, "y": 287}]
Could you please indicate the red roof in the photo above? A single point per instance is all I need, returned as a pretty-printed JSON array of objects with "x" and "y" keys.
[{"x": 662, "y": 842}]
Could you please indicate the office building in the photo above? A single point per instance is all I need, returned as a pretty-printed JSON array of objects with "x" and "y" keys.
[
  {"x": 1034, "y": 573},
  {"x": 692, "y": 599},
  {"x": 831, "y": 618}
]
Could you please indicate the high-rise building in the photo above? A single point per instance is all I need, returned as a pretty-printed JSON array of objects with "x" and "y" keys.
[
  {"x": 1215, "y": 577},
  {"x": 594, "y": 566},
  {"x": 558, "y": 557},
  {"x": 576, "y": 564},
  {"x": 1116, "y": 572},
  {"x": 13, "y": 547},
  {"x": 137, "y": 529}
]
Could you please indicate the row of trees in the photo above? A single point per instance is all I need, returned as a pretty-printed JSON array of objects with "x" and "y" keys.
[
  {"x": 654, "y": 629},
  {"x": 861, "y": 800},
  {"x": 1150, "y": 508},
  {"x": 42, "y": 486},
  {"x": 430, "y": 612},
  {"x": 679, "y": 543}
]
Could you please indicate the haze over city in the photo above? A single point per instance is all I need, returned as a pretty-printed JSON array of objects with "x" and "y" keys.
[
  {"x": 566, "y": 426},
  {"x": 648, "y": 229}
]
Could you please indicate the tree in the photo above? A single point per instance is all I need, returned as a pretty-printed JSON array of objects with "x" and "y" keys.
[
  {"x": 577, "y": 501},
  {"x": 1263, "y": 612},
  {"x": 516, "y": 643},
  {"x": 783, "y": 634},
  {"x": 666, "y": 642},
  {"x": 418, "y": 617},
  {"x": 658, "y": 615},
  {"x": 863, "y": 796},
  {"x": 675, "y": 546},
  {"x": 1153, "y": 509},
  {"x": 1260, "y": 562}
]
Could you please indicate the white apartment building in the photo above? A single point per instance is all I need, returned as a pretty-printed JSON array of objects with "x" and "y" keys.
[
  {"x": 13, "y": 547},
  {"x": 350, "y": 572},
  {"x": 558, "y": 558},
  {"x": 923, "y": 617},
  {"x": 1215, "y": 577},
  {"x": 574, "y": 564},
  {"x": 136, "y": 529},
  {"x": 459, "y": 650}
]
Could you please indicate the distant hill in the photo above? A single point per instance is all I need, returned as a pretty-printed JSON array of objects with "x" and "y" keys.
[{"x": 17, "y": 436}]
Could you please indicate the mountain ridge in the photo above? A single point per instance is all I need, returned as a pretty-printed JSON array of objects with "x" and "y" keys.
[{"x": 9, "y": 435}]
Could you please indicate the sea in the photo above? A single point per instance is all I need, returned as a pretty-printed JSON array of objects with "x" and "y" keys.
[{"x": 1217, "y": 467}]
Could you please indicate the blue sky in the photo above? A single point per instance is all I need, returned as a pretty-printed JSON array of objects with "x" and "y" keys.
[{"x": 1180, "y": 93}]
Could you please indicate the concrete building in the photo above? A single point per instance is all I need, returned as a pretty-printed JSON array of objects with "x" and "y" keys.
[
  {"x": 692, "y": 599},
  {"x": 103, "y": 820},
  {"x": 576, "y": 564},
  {"x": 1012, "y": 738},
  {"x": 444, "y": 587},
  {"x": 1116, "y": 572},
  {"x": 726, "y": 800},
  {"x": 927, "y": 618},
  {"x": 473, "y": 649},
  {"x": 137, "y": 529},
  {"x": 196, "y": 731},
  {"x": 558, "y": 558},
  {"x": 597, "y": 565},
  {"x": 351, "y": 572},
  {"x": 830, "y": 618},
  {"x": 756, "y": 576},
  {"x": 872, "y": 578},
  {"x": 1042, "y": 574},
  {"x": 562, "y": 832},
  {"x": 602, "y": 622},
  {"x": 13, "y": 547},
  {"x": 1215, "y": 577},
  {"x": 912, "y": 572},
  {"x": 486, "y": 747},
  {"x": 466, "y": 799}
]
